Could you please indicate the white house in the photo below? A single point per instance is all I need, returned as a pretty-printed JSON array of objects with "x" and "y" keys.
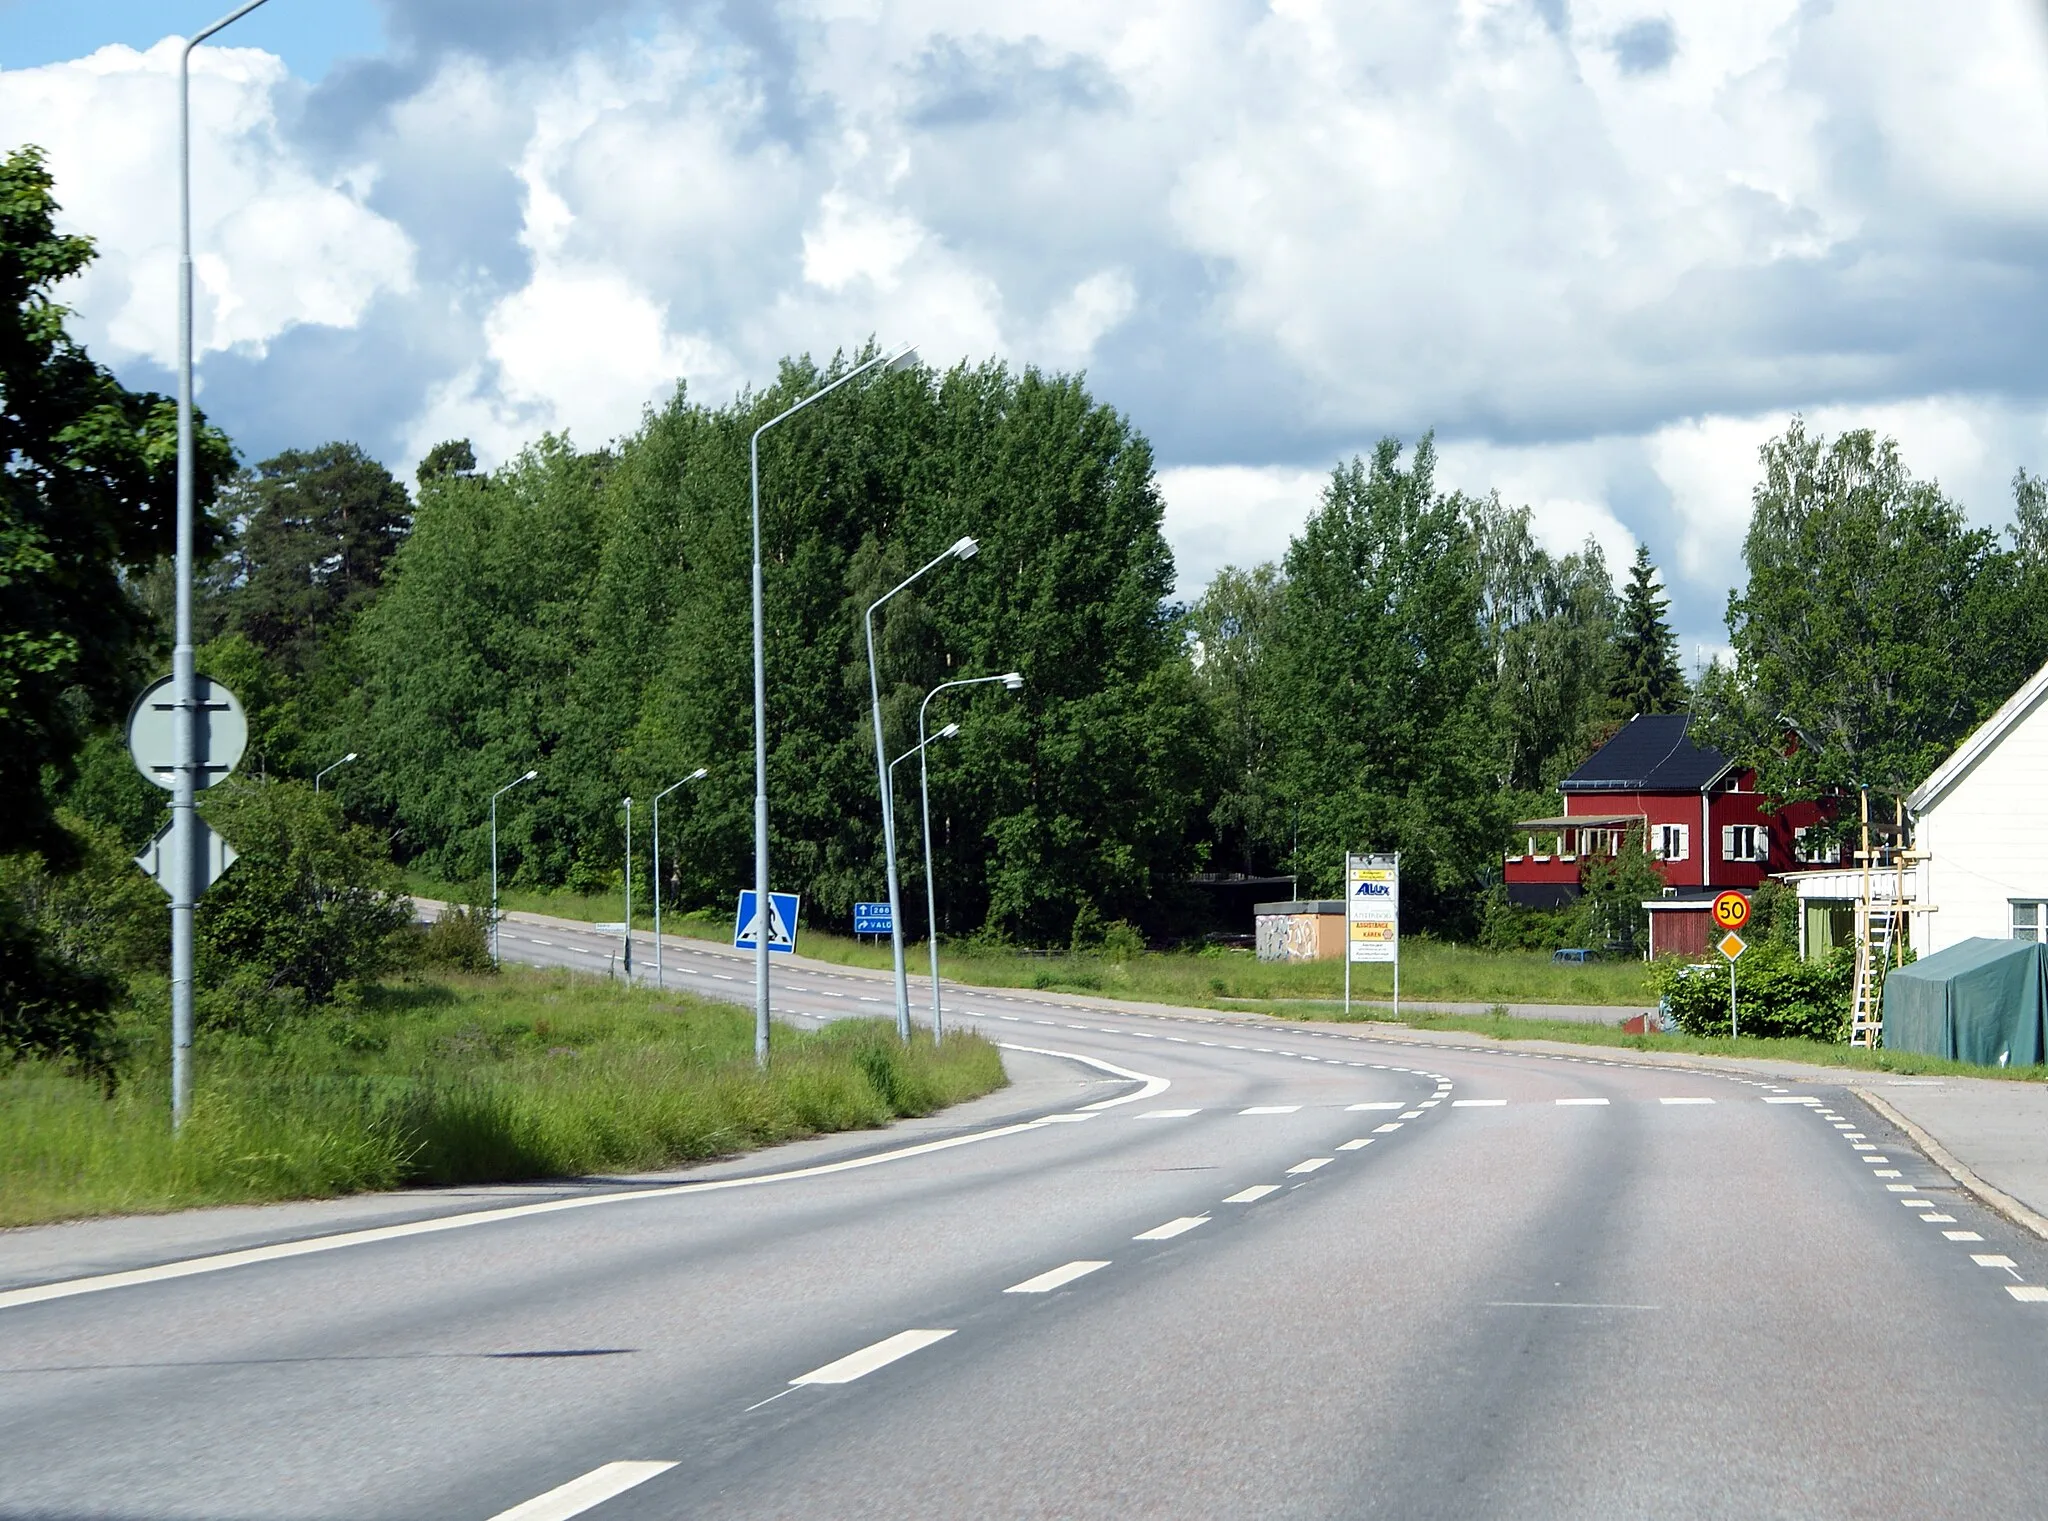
[{"x": 1982, "y": 821}]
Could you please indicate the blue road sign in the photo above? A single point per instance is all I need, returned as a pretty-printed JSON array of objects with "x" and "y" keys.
[
  {"x": 872, "y": 919},
  {"x": 782, "y": 910}
]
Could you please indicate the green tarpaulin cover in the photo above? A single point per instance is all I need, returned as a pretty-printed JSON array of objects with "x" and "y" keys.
[{"x": 1978, "y": 1001}]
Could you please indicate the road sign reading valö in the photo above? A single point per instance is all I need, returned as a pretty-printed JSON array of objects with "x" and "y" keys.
[
  {"x": 1732, "y": 945},
  {"x": 872, "y": 919},
  {"x": 1731, "y": 911},
  {"x": 782, "y": 910}
]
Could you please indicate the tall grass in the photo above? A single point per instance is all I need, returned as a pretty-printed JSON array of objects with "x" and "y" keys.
[
  {"x": 460, "y": 1080},
  {"x": 1432, "y": 971}
]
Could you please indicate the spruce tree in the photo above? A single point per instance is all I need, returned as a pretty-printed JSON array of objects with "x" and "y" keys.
[{"x": 1646, "y": 674}]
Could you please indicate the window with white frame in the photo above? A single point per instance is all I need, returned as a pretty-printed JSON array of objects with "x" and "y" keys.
[
  {"x": 1745, "y": 842},
  {"x": 1814, "y": 848},
  {"x": 2029, "y": 919},
  {"x": 1668, "y": 842}
]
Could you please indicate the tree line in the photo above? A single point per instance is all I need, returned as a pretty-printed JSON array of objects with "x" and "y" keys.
[{"x": 1413, "y": 673}]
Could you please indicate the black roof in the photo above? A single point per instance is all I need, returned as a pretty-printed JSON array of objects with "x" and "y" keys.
[{"x": 1650, "y": 754}]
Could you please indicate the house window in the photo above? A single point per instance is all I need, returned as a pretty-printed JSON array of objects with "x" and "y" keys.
[
  {"x": 1745, "y": 842},
  {"x": 1669, "y": 840},
  {"x": 1815, "y": 849},
  {"x": 2029, "y": 919}
]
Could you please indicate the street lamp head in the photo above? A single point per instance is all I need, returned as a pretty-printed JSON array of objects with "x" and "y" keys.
[
  {"x": 965, "y": 548},
  {"x": 948, "y": 732},
  {"x": 529, "y": 776},
  {"x": 697, "y": 776},
  {"x": 348, "y": 757},
  {"x": 903, "y": 358},
  {"x": 1013, "y": 681}
]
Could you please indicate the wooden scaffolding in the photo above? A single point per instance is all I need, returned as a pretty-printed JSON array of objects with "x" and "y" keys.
[{"x": 1883, "y": 917}]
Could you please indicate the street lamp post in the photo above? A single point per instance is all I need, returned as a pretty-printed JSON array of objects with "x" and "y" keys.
[
  {"x": 325, "y": 769},
  {"x": 1012, "y": 681},
  {"x": 694, "y": 776},
  {"x": 187, "y": 862},
  {"x": 629, "y": 890},
  {"x": 963, "y": 548},
  {"x": 889, "y": 783},
  {"x": 901, "y": 359},
  {"x": 494, "y": 856}
]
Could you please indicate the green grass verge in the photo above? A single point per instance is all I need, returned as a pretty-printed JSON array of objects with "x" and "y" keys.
[
  {"x": 1199, "y": 979},
  {"x": 1504, "y": 1026},
  {"x": 460, "y": 1080}
]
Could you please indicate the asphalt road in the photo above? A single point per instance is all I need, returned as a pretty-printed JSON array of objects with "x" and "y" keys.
[{"x": 1187, "y": 1267}]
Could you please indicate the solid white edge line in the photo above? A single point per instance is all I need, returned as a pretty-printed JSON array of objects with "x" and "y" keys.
[
  {"x": 1154, "y": 1086},
  {"x": 581, "y": 1494},
  {"x": 279, "y": 1251},
  {"x": 1059, "y": 1277},
  {"x": 879, "y": 1354}
]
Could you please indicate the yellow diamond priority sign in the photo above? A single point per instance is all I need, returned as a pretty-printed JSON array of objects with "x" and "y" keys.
[{"x": 1732, "y": 945}]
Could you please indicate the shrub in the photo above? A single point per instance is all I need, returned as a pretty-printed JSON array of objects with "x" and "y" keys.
[
  {"x": 1776, "y": 994},
  {"x": 458, "y": 941},
  {"x": 312, "y": 906}
]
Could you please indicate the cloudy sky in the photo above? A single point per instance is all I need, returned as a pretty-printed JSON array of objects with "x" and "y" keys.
[{"x": 1603, "y": 247}]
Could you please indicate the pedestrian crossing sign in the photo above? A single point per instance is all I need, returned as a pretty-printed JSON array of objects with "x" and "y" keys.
[{"x": 782, "y": 914}]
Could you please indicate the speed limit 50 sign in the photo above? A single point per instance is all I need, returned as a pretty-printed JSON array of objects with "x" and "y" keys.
[{"x": 1731, "y": 911}]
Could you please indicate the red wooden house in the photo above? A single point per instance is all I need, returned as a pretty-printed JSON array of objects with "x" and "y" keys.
[{"x": 1702, "y": 818}]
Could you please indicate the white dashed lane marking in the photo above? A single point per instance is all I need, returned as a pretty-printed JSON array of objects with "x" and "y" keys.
[
  {"x": 1685, "y": 1101},
  {"x": 882, "y": 1353},
  {"x": 1250, "y": 1195},
  {"x": 1569, "y": 1102},
  {"x": 1045, "y": 1283},
  {"x": 1272, "y": 1109},
  {"x": 1310, "y": 1165},
  {"x": 1166, "y": 1114},
  {"x": 582, "y": 1494},
  {"x": 1391, "y": 1125},
  {"x": 1477, "y": 1103},
  {"x": 1172, "y": 1228},
  {"x": 1355, "y": 1145}
]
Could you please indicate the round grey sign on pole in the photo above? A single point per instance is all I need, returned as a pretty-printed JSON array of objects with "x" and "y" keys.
[{"x": 153, "y": 733}]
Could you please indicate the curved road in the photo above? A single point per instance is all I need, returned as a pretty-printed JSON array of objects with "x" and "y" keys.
[{"x": 1187, "y": 1266}]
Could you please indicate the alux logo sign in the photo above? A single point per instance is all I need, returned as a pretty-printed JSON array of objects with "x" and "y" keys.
[{"x": 1374, "y": 890}]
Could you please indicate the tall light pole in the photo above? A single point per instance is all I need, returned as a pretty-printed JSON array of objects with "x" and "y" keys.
[
  {"x": 629, "y": 889},
  {"x": 325, "y": 769},
  {"x": 187, "y": 862},
  {"x": 494, "y": 856},
  {"x": 1012, "y": 681},
  {"x": 902, "y": 359},
  {"x": 889, "y": 782},
  {"x": 694, "y": 776},
  {"x": 963, "y": 548}
]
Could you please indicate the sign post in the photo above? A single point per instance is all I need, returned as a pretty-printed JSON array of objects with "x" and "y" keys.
[
  {"x": 185, "y": 745},
  {"x": 1732, "y": 945},
  {"x": 1372, "y": 917}
]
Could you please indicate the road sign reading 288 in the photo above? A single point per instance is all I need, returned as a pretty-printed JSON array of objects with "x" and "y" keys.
[{"x": 1731, "y": 911}]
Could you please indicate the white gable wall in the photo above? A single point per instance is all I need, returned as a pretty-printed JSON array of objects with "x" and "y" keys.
[{"x": 1986, "y": 833}]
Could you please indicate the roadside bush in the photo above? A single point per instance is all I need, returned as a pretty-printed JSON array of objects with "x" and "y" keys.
[
  {"x": 458, "y": 941},
  {"x": 313, "y": 907},
  {"x": 49, "y": 1005},
  {"x": 1504, "y": 927},
  {"x": 1777, "y": 994}
]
